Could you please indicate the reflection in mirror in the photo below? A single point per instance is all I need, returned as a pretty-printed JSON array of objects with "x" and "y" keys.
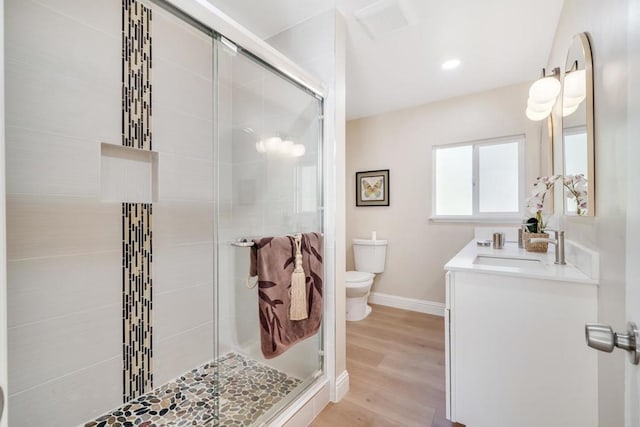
[
  {"x": 575, "y": 164},
  {"x": 546, "y": 146},
  {"x": 577, "y": 129}
]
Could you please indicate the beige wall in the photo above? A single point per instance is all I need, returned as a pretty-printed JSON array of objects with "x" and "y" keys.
[
  {"x": 606, "y": 23},
  {"x": 402, "y": 142}
]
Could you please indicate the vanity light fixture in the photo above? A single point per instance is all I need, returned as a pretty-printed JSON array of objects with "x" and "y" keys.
[
  {"x": 543, "y": 94},
  {"x": 574, "y": 91},
  {"x": 450, "y": 64}
]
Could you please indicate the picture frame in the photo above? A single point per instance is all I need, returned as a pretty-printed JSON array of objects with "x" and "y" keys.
[{"x": 372, "y": 188}]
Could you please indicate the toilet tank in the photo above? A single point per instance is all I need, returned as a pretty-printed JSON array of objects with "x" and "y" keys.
[{"x": 369, "y": 255}]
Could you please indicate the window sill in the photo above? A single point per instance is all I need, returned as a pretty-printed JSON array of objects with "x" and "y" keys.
[{"x": 510, "y": 219}]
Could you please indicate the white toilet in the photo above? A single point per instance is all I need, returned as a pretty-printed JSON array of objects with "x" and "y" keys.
[{"x": 369, "y": 258}]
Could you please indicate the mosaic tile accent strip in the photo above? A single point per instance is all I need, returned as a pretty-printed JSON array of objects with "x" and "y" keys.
[
  {"x": 137, "y": 256},
  {"x": 136, "y": 75},
  {"x": 235, "y": 391}
]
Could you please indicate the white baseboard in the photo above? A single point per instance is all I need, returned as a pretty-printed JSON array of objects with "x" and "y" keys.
[
  {"x": 342, "y": 385},
  {"x": 412, "y": 304}
]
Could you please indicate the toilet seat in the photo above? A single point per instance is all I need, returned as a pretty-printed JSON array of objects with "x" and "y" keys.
[{"x": 357, "y": 278}]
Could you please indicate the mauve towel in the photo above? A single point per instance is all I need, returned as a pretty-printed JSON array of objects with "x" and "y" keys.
[{"x": 272, "y": 260}]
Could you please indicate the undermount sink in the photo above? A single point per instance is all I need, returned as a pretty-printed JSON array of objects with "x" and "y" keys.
[{"x": 507, "y": 261}]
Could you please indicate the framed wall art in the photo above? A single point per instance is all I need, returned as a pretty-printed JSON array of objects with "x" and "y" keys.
[{"x": 372, "y": 188}]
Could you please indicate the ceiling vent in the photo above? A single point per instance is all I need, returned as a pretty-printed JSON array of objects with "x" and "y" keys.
[{"x": 383, "y": 17}]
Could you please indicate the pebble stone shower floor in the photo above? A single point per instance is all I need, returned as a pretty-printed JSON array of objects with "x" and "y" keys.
[{"x": 246, "y": 390}]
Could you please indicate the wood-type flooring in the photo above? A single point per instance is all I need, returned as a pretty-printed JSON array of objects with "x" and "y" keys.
[{"x": 395, "y": 360}]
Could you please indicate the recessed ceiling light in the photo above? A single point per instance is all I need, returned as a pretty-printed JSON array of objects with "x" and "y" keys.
[{"x": 450, "y": 64}]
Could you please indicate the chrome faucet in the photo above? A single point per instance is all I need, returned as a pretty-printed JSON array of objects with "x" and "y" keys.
[{"x": 558, "y": 241}]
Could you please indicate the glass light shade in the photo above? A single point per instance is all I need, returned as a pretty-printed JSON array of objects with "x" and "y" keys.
[
  {"x": 533, "y": 106},
  {"x": 544, "y": 90},
  {"x": 285, "y": 147},
  {"x": 537, "y": 115},
  {"x": 298, "y": 150},
  {"x": 571, "y": 101},
  {"x": 575, "y": 84},
  {"x": 568, "y": 110},
  {"x": 260, "y": 148},
  {"x": 273, "y": 144}
]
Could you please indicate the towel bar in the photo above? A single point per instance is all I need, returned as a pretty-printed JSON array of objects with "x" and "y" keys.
[
  {"x": 242, "y": 243},
  {"x": 246, "y": 243}
]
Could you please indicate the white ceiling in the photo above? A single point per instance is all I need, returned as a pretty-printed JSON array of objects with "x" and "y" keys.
[{"x": 500, "y": 42}]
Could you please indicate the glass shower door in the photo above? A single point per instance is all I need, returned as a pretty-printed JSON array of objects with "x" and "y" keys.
[{"x": 269, "y": 184}]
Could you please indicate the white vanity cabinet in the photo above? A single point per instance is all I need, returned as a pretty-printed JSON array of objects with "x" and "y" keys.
[{"x": 515, "y": 348}]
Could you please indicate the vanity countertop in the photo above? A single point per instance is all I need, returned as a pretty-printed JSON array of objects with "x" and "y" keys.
[{"x": 468, "y": 259}]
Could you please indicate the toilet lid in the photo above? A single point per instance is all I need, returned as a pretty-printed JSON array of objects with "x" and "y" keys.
[{"x": 358, "y": 276}]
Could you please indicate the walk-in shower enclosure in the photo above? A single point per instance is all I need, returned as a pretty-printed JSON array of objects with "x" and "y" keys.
[{"x": 141, "y": 145}]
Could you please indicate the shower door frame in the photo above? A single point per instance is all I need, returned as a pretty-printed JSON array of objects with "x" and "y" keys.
[{"x": 211, "y": 17}]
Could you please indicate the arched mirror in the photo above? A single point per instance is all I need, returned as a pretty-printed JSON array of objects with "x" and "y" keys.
[{"x": 577, "y": 129}]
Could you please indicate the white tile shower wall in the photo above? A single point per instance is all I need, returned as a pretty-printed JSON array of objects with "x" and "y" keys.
[
  {"x": 195, "y": 135},
  {"x": 46, "y": 226},
  {"x": 46, "y": 288},
  {"x": 63, "y": 60},
  {"x": 227, "y": 293},
  {"x": 182, "y": 309},
  {"x": 102, "y": 15},
  {"x": 180, "y": 43},
  {"x": 58, "y": 346},
  {"x": 179, "y": 267},
  {"x": 225, "y": 188},
  {"x": 87, "y": 392},
  {"x": 194, "y": 347},
  {"x": 42, "y": 163},
  {"x": 225, "y": 126},
  {"x": 34, "y": 48},
  {"x": 55, "y": 86},
  {"x": 178, "y": 88},
  {"x": 184, "y": 178},
  {"x": 183, "y": 216},
  {"x": 61, "y": 104},
  {"x": 178, "y": 223}
]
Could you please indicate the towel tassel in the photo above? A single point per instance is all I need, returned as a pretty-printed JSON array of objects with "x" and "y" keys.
[{"x": 298, "y": 309}]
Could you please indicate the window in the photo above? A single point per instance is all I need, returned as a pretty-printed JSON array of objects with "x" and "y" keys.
[{"x": 480, "y": 180}]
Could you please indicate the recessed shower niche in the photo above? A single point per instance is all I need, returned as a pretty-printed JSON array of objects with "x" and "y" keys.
[{"x": 128, "y": 174}]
